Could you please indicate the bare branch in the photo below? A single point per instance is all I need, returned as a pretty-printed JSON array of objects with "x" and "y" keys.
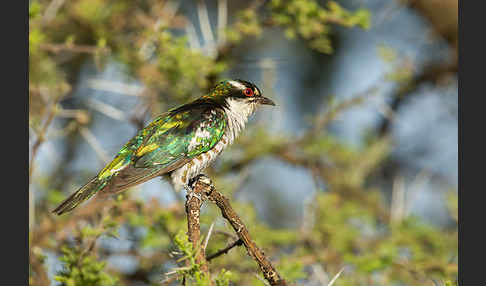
[
  {"x": 192, "y": 36},
  {"x": 225, "y": 250},
  {"x": 225, "y": 233},
  {"x": 116, "y": 87},
  {"x": 222, "y": 20},
  {"x": 206, "y": 240},
  {"x": 52, "y": 9},
  {"x": 169, "y": 11},
  {"x": 51, "y": 111},
  {"x": 194, "y": 200},
  {"x": 397, "y": 208},
  {"x": 203, "y": 185},
  {"x": 106, "y": 109},
  {"x": 202, "y": 12},
  {"x": 57, "y": 48},
  {"x": 94, "y": 143},
  {"x": 335, "y": 277}
]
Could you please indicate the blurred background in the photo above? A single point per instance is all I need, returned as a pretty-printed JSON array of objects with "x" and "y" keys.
[{"x": 351, "y": 180}]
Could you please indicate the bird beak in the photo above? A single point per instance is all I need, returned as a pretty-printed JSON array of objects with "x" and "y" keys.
[{"x": 264, "y": 100}]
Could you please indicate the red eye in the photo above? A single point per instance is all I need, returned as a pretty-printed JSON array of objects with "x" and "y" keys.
[{"x": 248, "y": 92}]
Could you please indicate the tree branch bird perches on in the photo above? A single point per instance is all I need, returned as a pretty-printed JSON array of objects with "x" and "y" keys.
[{"x": 202, "y": 189}]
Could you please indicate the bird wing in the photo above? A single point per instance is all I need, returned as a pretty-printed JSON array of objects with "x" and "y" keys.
[{"x": 167, "y": 143}]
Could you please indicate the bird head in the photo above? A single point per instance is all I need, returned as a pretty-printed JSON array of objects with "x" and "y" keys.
[{"x": 238, "y": 93}]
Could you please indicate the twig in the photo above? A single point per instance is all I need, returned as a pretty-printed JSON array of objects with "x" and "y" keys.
[
  {"x": 52, "y": 9},
  {"x": 57, "y": 48},
  {"x": 429, "y": 74},
  {"x": 106, "y": 109},
  {"x": 397, "y": 208},
  {"x": 41, "y": 135},
  {"x": 51, "y": 111},
  {"x": 225, "y": 250},
  {"x": 203, "y": 185},
  {"x": 206, "y": 240},
  {"x": 334, "y": 111},
  {"x": 95, "y": 144},
  {"x": 192, "y": 36},
  {"x": 168, "y": 280},
  {"x": 37, "y": 267},
  {"x": 168, "y": 12},
  {"x": 261, "y": 279},
  {"x": 115, "y": 87},
  {"x": 222, "y": 20},
  {"x": 335, "y": 277},
  {"x": 206, "y": 30},
  {"x": 225, "y": 233}
]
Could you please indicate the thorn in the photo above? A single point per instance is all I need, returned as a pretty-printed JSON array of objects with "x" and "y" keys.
[
  {"x": 335, "y": 277},
  {"x": 262, "y": 280},
  {"x": 208, "y": 236}
]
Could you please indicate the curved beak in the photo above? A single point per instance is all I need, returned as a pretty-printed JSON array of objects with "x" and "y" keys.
[{"x": 264, "y": 100}]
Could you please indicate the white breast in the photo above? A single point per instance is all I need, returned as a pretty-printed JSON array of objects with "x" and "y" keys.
[{"x": 237, "y": 114}]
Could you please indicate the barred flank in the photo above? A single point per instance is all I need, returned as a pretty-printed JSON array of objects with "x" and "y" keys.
[{"x": 81, "y": 195}]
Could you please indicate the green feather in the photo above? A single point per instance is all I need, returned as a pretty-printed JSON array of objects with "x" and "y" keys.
[
  {"x": 161, "y": 147},
  {"x": 84, "y": 193}
]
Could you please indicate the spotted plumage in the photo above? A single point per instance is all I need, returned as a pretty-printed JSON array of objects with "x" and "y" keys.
[{"x": 178, "y": 144}]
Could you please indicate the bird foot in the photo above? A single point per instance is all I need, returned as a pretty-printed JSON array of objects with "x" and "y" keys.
[{"x": 191, "y": 193}]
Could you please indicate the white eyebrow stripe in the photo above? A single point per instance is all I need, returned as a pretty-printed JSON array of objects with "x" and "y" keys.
[{"x": 237, "y": 84}]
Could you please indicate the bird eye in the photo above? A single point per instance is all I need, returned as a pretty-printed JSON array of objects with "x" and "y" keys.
[{"x": 248, "y": 92}]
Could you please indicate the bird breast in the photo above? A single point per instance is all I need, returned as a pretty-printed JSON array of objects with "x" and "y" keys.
[
  {"x": 237, "y": 114},
  {"x": 180, "y": 177}
]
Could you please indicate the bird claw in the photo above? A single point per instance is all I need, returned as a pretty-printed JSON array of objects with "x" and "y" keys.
[
  {"x": 187, "y": 188},
  {"x": 191, "y": 193}
]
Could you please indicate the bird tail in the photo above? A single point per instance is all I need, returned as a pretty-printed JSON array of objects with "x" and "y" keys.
[{"x": 81, "y": 195}]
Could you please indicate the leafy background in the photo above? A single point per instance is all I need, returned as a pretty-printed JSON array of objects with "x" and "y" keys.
[{"x": 353, "y": 176}]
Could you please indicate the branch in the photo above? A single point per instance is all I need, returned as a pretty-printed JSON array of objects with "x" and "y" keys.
[
  {"x": 203, "y": 185},
  {"x": 194, "y": 200},
  {"x": 431, "y": 73},
  {"x": 57, "y": 48},
  {"x": 225, "y": 250}
]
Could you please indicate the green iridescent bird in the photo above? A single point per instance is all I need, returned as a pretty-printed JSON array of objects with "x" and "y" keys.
[{"x": 178, "y": 144}]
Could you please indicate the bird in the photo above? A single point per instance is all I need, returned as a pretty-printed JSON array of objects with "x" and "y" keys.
[{"x": 178, "y": 144}]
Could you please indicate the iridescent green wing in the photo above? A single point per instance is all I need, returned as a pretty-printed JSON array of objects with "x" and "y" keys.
[
  {"x": 127, "y": 152},
  {"x": 167, "y": 143},
  {"x": 185, "y": 135},
  {"x": 170, "y": 141}
]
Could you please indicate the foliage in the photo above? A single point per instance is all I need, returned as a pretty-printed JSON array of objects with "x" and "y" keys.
[
  {"x": 306, "y": 18},
  {"x": 192, "y": 273},
  {"x": 347, "y": 225},
  {"x": 83, "y": 270},
  {"x": 408, "y": 251}
]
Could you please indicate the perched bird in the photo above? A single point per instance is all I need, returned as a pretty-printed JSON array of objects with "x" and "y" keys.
[{"x": 178, "y": 144}]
